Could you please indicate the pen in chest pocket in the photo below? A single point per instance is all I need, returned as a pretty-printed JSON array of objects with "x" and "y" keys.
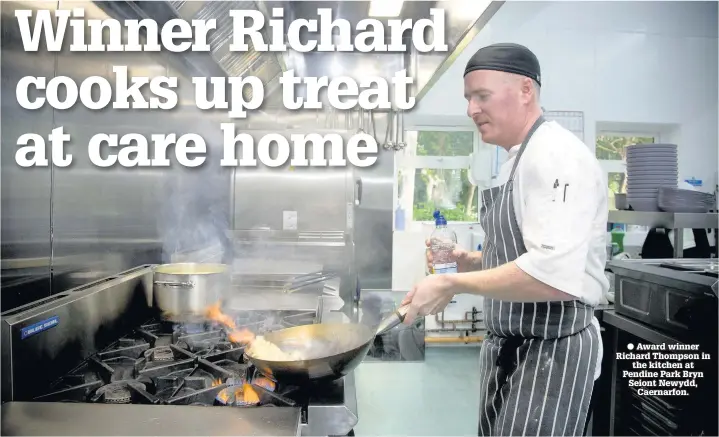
[{"x": 559, "y": 192}]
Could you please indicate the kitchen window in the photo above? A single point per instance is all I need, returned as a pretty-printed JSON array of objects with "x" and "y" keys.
[
  {"x": 611, "y": 151},
  {"x": 433, "y": 172}
]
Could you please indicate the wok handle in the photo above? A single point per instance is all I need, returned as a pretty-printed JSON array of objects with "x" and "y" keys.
[
  {"x": 402, "y": 312},
  {"x": 394, "y": 319}
]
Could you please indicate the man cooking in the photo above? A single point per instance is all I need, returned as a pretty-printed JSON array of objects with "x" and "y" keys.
[{"x": 541, "y": 270}]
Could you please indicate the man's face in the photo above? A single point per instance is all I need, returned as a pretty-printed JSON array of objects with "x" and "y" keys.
[{"x": 495, "y": 104}]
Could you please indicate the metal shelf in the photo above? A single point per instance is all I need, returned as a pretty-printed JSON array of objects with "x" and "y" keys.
[{"x": 668, "y": 220}]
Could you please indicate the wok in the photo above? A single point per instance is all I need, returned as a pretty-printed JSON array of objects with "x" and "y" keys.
[{"x": 332, "y": 350}]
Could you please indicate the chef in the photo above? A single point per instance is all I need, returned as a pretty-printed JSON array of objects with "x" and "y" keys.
[{"x": 541, "y": 270}]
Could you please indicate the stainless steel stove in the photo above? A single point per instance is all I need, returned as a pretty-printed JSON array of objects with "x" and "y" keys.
[{"x": 98, "y": 355}]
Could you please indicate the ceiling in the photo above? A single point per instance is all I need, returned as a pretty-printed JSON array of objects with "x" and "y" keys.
[{"x": 464, "y": 19}]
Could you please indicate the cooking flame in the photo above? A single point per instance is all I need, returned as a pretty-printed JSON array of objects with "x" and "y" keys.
[
  {"x": 249, "y": 395},
  {"x": 242, "y": 395},
  {"x": 241, "y": 336}
]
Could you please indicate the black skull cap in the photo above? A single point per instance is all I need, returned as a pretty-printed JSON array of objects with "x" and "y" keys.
[{"x": 508, "y": 57}]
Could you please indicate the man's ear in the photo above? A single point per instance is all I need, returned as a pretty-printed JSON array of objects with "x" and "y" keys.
[{"x": 527, "y": 88}]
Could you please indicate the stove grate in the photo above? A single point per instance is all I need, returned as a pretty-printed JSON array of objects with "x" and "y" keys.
[{"x": 162, "y": 362}]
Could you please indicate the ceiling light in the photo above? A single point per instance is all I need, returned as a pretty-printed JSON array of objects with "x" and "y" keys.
[
  {"x": 336, "y": 68},
  {"x": 385, "y": 8}
]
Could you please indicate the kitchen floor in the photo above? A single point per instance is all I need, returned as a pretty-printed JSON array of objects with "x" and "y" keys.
[{"x": 437, "y": 397}]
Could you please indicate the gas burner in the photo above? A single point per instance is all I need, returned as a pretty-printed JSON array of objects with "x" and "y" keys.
[
  {"x": 193, "y": 328},
  {"x": 162, "y": 353},
  {"x": 180, "y": 329},
  {"x": 208, "y": 344},
  {"x": 265, "y": 383},
  {"x": 117, "y": 392},
  {"x": 179, "y": 364},
  {"x": 240, "y": 395},
  {"x": 240, "y": 370}
]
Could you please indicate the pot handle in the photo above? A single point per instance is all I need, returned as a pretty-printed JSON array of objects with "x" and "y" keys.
[{"x": 175, "y": 284}]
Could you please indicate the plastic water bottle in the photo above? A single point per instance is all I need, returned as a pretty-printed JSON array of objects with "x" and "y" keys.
[
  {"x": 399, "y": 219},
  {"x": 442, "y": 243}
]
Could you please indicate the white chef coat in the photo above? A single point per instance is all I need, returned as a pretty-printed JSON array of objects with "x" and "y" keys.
[{"x": 560, "y": 201}]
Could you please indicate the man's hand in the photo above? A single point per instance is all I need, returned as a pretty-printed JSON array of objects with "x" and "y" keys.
[
  {"x": 466, "y": 261},
  {"x": 428, "y": 297}
]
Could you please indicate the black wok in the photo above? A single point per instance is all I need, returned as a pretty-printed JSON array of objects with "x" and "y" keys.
[{"x": 332, "y": 350}]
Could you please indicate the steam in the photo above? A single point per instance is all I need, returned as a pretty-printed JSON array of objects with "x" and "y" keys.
[{"x": 194, "y": 215}]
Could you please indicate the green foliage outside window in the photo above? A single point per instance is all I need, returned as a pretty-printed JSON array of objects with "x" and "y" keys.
[{"x": 458, "y": 197}]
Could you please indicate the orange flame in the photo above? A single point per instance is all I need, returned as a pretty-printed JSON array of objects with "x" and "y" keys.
[
  {"x": 249, "y": 395},
  {"x": 241, "y": 336},
  {"x": 213, "y": 312},
  {"x": 241, "y": 394},
  {"x": 224, "y": 396}
]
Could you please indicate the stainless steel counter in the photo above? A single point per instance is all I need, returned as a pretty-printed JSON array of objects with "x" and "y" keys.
[
  {"x": 668, "y": 220},
  {"x": 56, "y": 418}
]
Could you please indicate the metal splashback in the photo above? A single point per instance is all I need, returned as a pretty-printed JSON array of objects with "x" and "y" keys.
[
  {"x": 321, "y": 197},
  {"x": 64, "y": 227}
]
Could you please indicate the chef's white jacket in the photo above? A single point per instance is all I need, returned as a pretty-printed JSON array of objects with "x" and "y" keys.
[{"x": 560, "y": 200}]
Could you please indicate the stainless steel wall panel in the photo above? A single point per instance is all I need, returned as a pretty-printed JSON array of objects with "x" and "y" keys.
[
  {"x": 26, "y": 192},
  {"x": 104, "y": 219},
  {"x": 374, "y": 218}
]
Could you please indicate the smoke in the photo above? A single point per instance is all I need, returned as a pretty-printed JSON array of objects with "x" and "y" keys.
[{"x": 194, "y": 215}]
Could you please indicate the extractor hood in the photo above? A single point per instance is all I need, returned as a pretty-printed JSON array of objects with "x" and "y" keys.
[
  {"x": 464, "y": 20},
  {"x": 220, "y": 61}
]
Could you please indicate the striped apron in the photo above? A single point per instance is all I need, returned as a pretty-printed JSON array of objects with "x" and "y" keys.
[{"x": 538, "y": 359}]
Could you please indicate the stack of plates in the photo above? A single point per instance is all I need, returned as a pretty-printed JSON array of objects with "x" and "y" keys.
[
  {"x": 678, "y": 200},
  {"x": 650, "y": 166}
]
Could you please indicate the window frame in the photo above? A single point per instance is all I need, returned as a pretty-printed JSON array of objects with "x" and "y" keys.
[
  {"x": 404, "y": 161},
  {"x": 619, "y": 165}
]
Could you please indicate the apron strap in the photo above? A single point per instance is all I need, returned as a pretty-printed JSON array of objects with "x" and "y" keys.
[{"x": 531, "y": 132}]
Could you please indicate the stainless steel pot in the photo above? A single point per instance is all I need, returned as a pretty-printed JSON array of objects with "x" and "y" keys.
[{"x": 183, "y": 291}]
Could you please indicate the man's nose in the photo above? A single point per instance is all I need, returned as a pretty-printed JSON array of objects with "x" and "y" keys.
[{"x": 472, "y": 109}]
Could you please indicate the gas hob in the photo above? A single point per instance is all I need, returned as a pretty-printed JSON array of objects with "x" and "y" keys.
[{"x": 180, "y": 364}]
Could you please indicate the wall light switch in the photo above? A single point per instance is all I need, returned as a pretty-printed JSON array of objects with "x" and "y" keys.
[{"x": 289, "y": 220}]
